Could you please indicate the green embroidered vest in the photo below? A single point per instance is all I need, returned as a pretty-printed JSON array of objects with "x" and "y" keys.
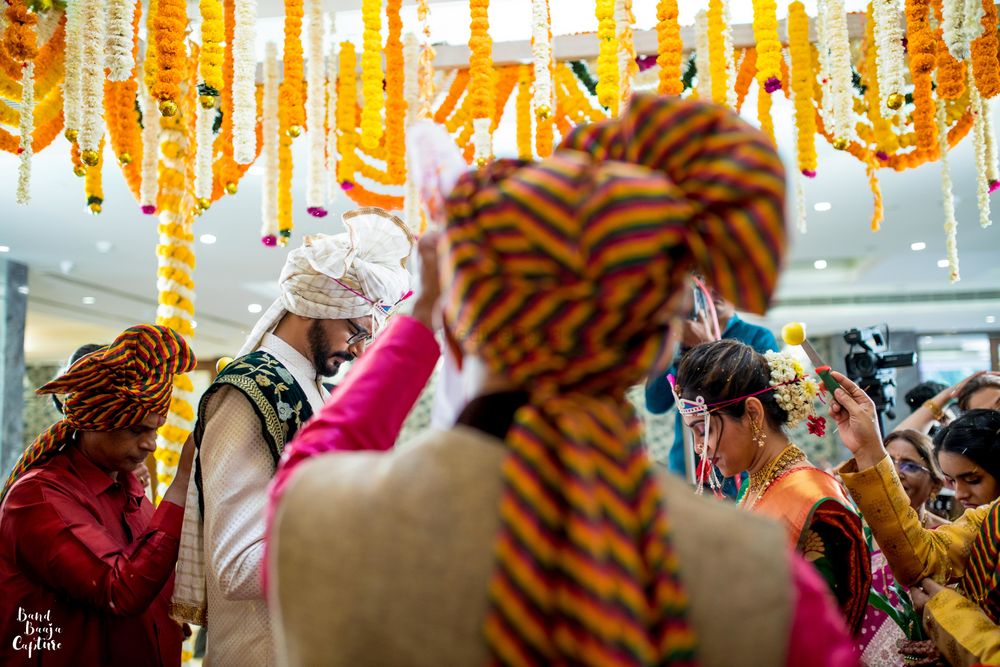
[{"x": 277, "y": 399}]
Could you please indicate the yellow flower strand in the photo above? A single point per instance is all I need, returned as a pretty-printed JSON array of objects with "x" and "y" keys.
[
  {"x": 765, "y": 32},
  {"x": 764, "y": 113},
  {"x": 670, "y": 48},
  {"x": 803, "y": 80},
  {"x": 720, "y": 60},
  {"x": 881, "y": 129},
  {"x": 607, "y": 59},
  {"x": 212, "y": 36},
  {"x": 93, "y": 182},
  {"x": 426, "y": 69},
  {"x": 627, "y": 67},
  {"x": 371, "y": 74}
]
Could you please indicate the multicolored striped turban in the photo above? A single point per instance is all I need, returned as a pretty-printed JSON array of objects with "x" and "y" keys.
[
  {"x": 562, "y": 273},
  {"x": 113, "y": 388}
]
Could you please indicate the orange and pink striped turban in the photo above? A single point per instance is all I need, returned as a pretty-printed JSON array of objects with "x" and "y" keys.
[
  {"x": 113, "y": 388},
  {"x": 560, "y": 275}
]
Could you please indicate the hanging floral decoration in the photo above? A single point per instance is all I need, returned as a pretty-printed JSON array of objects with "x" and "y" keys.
[
  {"x": 347, "y": 108},
  {"x": 764, "y": 114},
  {"x": 607, "y": 59},
  {"x": 149, "y": 190},
  {"x": 244, "y": 109},
  {"x": 980, "y": 143},
  {"x": 992, "y": 165},
  {"x": 19, "y": 40},
  {"x": 427, "y": 54},
  {"x": 331, "y": 118},
  {"x": 121, "y": 59},
  {"x": 316, "y": 114},
  {"x": 293, "y": 70},
  {"x": 627, "y": 67},
  {"x": 947, "y": 196},
  {"x": 524, "y": 149},
  {"x": 839, "y": 61},
  {"x": 889, "y": 36},
  {"x": 920, "y": 47},
  {"x": 720, "y": 46},
  {"x": 985, "y": 64},
  {"x": 881, "y": 130},
  {"x": 951, "y": 74},
  {"x": 27, "y": 114},
  {"x": 703, "y": 55},
  {"x": 93, "y": 182},
  {"x": 541, "y": 58},
  {"x": 269, "y": 150},
  {"x": 121, "y": 114},
  {"x": 670, "y": 48},
  {"x": 212, "y": 54},
  {"x": 371, "y": 74},
  {"x": 802, "y": 87},
  {"x": 481, "y": 80},
  {"x": 395, "y": 103},
  {"x": 170, "y": 24},
  {"x": 92, "y": 83},
  {"x": 765, "y": 32}
]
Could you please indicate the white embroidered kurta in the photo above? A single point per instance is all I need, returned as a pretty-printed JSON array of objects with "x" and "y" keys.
[{"x": 236, "y": 468}]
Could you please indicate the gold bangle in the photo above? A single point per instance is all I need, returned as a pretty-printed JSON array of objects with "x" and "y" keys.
[{"x": 937, "y": 412}]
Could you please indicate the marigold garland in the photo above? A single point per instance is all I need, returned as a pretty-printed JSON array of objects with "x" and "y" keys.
[
  {"x": 920, "y": 45},
  {"x": 244, "y": 108},
  {"x": 802, "y": 82},
  {"x": 459, "y": 85},
  {"x": 27, "y": 114},
  {"x": 19, "y": 39},
  {"x": 544, "y": 136},
  {"x": 371, "y": 74},
  {"x": 951, "y": 74},
  {"x": 149, "y": 60},
  {"x": 881, "y": 130},
  {"x": 765, "y": 32},
  {"x": 720, "y": 54},
  {"x": 49, "y": 64},
  {"x": 482, "y": 84},
  {"x": 746, "y": 70},
  {"x": 347, "y": 109},
  {"x": 607, "y": 57},
  {"x": 764, "y": 114},
  {"x": 269, "y": 149},
  {"x": 170, "y": 25},
  {"x": 670, "y": 48},
  {"x": 985, "y": 64},
  {"x": 285, "y": 169},
  {"x": 395, "y": 104},
  {"x": 888, "y": 34},
  {"x": 121, "y": 59},
  {"x": 293, "y": 70},
  {"x": 121, "y": 116},
  {"x": 210, "y": 58}
]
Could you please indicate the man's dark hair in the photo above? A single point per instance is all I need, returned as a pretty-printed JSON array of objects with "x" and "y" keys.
[{"x": 922, "y": 393}]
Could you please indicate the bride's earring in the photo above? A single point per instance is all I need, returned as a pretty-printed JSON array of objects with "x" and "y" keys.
[{"x": 757, "y": 434}]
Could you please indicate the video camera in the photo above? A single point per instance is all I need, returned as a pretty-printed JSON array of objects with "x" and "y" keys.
[{"x": 873, "y": 367}]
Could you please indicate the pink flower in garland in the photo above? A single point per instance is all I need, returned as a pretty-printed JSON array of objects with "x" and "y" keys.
[
  {"x": 270, "y": 240},
  {"x": 148, "y": 209}
]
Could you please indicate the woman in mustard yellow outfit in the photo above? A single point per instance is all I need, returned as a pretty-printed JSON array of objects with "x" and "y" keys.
[{"x": 964, "y": 627}]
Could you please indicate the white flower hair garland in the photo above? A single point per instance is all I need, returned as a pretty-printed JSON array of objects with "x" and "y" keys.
[{"x": 794, "y": 391}]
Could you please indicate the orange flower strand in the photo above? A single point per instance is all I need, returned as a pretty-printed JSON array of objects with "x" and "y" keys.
[
  {"x": 950, "y": 72},
  {"x": 395, "y": 104},
  {"x": 670, "y": 48},
  {"x": 920, "y": 47},
  {"x": 19, "y": 39},
  {"x": 985, "y": 64},
  {"x": 170, "y": 24},
  {"x": 458, "y": 86},
  {"x": 290, "y": 95},
  {"x": 745, "y": 75}
]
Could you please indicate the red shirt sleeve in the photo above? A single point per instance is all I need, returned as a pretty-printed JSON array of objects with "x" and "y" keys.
[{"x": 62, "y": 546}]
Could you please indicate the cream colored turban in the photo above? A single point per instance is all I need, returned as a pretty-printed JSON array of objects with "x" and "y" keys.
[{"x": 343, "y": 276}]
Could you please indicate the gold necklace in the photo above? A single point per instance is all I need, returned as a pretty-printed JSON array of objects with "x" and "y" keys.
[{"x": 762, "y": 479}]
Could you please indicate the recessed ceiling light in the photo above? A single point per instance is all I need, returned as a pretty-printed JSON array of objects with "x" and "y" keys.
[
  {"x": 254, "y": 308},
  {"x": 4, "y": 248},
  {"x": 990, "y": 319},
  {"x": 919, "y": 245},
  {"x": 822, "y": 206},
  {"x": 88, "y": 300},
  {"x": 104, "y": 247},
  {"x": 23, "y": 289},
  {"x": 942, "y": 264},
  {"x": 207, "y": 239},
  {"x": 819, "y": 264}
]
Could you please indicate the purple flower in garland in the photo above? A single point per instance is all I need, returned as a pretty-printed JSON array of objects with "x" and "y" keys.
[
  {"x": 317, "y": 211},
  {"x": 346, "y": 185},
  {"x": 772, "y": 84},
  {"x": 645, "y": 62},
  {"x": 994, "y": 186},
  {"x": 148, "y": 209},
  {"x": 809, "y": 173},
  {"x": 882, "y": 155},
  {"x": 270, "y": 240}
]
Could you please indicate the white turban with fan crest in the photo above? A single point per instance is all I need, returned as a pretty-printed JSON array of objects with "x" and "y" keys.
[{"x": 343, "y": 276}]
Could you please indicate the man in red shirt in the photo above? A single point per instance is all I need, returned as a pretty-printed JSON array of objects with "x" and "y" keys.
[{"x": 86, "y": 563}]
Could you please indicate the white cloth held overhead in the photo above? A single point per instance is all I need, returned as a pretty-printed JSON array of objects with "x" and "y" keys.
[{"x": 355, "y": 274}]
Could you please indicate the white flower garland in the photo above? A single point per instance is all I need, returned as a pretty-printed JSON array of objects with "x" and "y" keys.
[
  {"x": 992, "y": 167},
  {"x": 411, "y": 93},
  {"x": 727, "y": 46},
  {"x": 74, "y": 52},
  {"x": 332, "y": 65},
  {"x": 204, "y": 139},
  {"x": 794, "y": 391},
  {"x": 889, "y": 55},
  {"x": 27, "y": 114},
  {"x": 150, "y": 187},
  {"x": 92, "y": 85},
  {"x": 541, "y": 58},
  {"x": 244, "y": 82},
  {"x": 482, "y": 140},
  {"x": 823, "y": 62},
  {"x": 316, "y": 183},
  {"x": 961, "y": 24},
  {"x": 980, "y": 143},
  {"x": 702, "y": 58},
  {"x": 947, "y": 196},
  {"x": 269, "y": 148},
  {"x": 838, "y": 42},
  {"x": 626, "y": 47},
  {"x": 120, "y": 61}
]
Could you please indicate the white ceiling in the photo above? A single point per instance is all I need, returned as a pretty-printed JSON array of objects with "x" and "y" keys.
[{"x": 57, "y": 238}]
